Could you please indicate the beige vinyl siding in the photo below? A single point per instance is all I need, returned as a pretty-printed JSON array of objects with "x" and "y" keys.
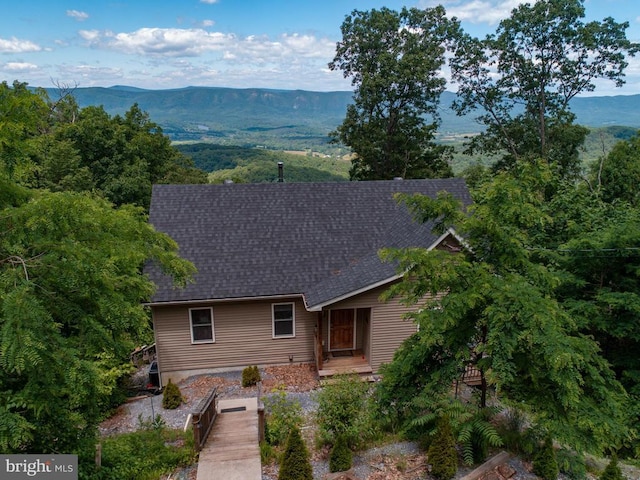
[
  {"x": 388, "y": 328},
  {"x": 243, "y": 336}
]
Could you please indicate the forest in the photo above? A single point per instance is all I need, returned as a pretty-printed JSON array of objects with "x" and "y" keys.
[{"x": 544, "y": 299}]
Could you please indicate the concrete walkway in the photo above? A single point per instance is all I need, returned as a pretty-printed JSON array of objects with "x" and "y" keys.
[{"x": 232, "y": 451}]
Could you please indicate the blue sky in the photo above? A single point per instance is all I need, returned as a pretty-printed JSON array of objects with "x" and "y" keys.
[{"x": 283, "y": 44}]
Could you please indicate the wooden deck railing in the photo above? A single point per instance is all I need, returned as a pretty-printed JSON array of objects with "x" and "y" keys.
[
  {"x": 317, "y": 352},
  {"x": 203, "y": 418}
]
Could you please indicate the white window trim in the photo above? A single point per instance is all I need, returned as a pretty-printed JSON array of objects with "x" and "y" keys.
[
  {"x": 213, "y": 331},
  {"x": 273, "y": 320}
]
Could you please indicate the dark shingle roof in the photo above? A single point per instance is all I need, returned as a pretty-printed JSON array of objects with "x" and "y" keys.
[{"x": 316, "y": 239}]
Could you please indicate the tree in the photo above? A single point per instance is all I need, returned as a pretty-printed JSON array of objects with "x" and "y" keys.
[
  {"x": 502, "y": 314},
  {"x": 125, "y": 155},
  {"x": 394, "y": 59},
  {"x": 618, "y": 174},
  {"x": 71, "y": 309},
  {"x": 442, "y": 453},
  {"x": 545, "y": 462},
  {"x": 24, "y": 115},
  {"x": 612, "y": 471},
  {"x": 523, "y": 78},
  {"x": 295, "y": 459}
]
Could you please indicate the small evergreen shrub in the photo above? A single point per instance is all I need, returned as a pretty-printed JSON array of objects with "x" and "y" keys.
[
  {"x": 571, "y": 464},
  {"x": 545, "y": 462},
  {"x": 295, "y": 460},
  {"x": 171, "y": 396},
  {"x": 612, "y": 471},
  {"x": 250, "y": 376},
  {"x": 340, "y": 458},
  {"x": 442, "y": 453}
]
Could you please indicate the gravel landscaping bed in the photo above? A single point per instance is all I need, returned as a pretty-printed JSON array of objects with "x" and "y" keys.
[{"x": 396, "y": 461}]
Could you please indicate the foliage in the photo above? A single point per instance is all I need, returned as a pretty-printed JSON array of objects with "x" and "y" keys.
[
  {"x": 283, "y": 415},
  {"x": 612, "y": 470},
  {"x": 295, "y": 460},
  {"x": 71, "y": 310},
  {"x": 340, "y": 457},
  {"x": 171, "y": 396},
  {"x": 501, "y": 313},
  {"x": 571, "y": 464},
  {"x": 523, "y": 78},
  {"x": 146, "y": 454},
  {"x": 250, "y": 376},
  {"x": 267, "y": 453},
  {"x": 618, "y": 174},
  {"x": 442, "y": 454},
  {"x": 394, "y": 61},
  {"x": 343, "y": 411},
  {"x": 512, "y": 428},
  {"x": 545, "y": 463},
  {"x": 54, "y": 145}
]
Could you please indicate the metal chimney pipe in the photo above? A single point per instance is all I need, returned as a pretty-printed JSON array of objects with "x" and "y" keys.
[{"x": 280, "y": 172}]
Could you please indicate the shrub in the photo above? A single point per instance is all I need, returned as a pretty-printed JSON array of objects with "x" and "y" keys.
[
  {"x": 612, "y": 471},
  {"x": 545, "y": 462},
  {"x": 340, "y": 457},
  {"x": 144, "y": 455},
  {"x": 250, "y": 376},
  {"x": 171, "y": 396},
  {"x": 571, "y": 464},
  {"x": 267, "y": 453},
  {"x": 295, "y": 461},
  {"x": 282, "y": 415},
  {"x": 442, "y": 453},
  {"x": 343, "y": 410}
]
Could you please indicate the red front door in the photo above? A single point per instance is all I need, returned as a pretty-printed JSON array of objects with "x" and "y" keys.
[{"x": 342, "y": 329}]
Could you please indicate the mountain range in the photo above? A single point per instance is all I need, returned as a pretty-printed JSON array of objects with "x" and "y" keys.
[{"x": 289, "y": 119}]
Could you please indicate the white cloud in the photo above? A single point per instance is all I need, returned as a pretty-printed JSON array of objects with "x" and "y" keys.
[
  {"x": 179, "y": 43},
  {"x": 210, "y": 2},
  {"x": 78, "y": 15},
  {"x": 208, "y": 23},
  {"x": 15, "y": 45},
  {"x": 163, "y": 42},
  {"x": 476, "y": 11},
  {"x": 19, "y": 66},
  {"x": 90, "y": 35}
]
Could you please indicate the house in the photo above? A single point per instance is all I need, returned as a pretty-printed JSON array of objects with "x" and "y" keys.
[{"x": 287, "y": 272}]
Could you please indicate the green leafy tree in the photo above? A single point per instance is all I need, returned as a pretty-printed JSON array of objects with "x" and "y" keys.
[
  {"x": 394, "y": 59},
  {"x": 501, "y": 313},
  {"x": 295, "y": 459},
  {"x": 24, "y": 116},
  {"x": 125, "y": 155},
  {"x": 618, "y": 174},
  {"x": 522, "y": 79},
  {"x": 71, "y": 294}
]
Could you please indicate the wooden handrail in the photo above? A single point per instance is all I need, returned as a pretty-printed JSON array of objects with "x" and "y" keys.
[{"x": 203, "y": 418}]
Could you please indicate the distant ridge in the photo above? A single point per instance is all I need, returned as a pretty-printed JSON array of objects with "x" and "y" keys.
[{"x": 222, "y": 112}]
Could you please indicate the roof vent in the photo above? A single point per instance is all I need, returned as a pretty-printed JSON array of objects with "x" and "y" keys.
[
  {"x": 228, "y": 181},
  {"x": 280, "y": 172},
  {"x": 398, "y": 178}
]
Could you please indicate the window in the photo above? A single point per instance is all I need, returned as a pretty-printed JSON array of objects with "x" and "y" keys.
[
  {"x": 201, "y": 325},
  {"x": 284, "y": 324}
]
